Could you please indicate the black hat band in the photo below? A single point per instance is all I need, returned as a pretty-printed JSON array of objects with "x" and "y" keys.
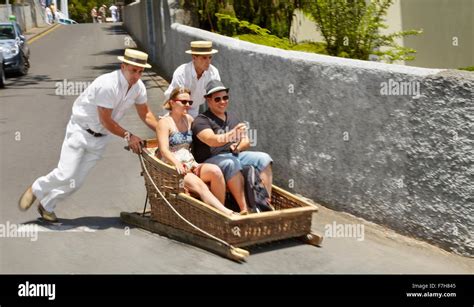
[
  {"x": 201, "y": 49},
  {"x": 139, "y": 61}
]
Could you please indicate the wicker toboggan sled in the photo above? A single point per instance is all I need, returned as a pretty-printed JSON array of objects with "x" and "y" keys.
[{"x": 189, "y": 220}]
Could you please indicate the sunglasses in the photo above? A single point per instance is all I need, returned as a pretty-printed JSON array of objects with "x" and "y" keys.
[
  {"x": 185, "y": 102},
  {"x": 218, "y": 99}
]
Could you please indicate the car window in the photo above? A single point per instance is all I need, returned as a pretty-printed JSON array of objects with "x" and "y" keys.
[
  {"x": 18, "y": 28},
  {"x": 7, "y": 32}
]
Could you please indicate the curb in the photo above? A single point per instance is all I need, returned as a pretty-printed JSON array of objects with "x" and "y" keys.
[{"x": 43, "y": 30}]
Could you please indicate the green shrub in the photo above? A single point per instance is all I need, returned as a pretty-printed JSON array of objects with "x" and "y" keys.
[
  {"x": 469, "y": 68},
  {"x": 283, "y": 43},
  {"x": 351, "y": 28},
  {"x": 247, "y": 31}
]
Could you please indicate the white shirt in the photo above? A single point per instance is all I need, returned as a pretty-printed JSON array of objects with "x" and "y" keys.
[
  {"x": 185, "y": 76},
  {"x": 113, "y": 10},
  {"x": 108, "y": 91}
]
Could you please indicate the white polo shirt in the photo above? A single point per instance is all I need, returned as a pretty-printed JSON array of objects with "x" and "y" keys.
[
  {"x": 108, "y": 91},
  {"x": 185, "y": 76}
]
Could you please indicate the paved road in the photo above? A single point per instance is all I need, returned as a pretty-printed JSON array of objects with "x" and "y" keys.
[{"x": 92, "y": 239}]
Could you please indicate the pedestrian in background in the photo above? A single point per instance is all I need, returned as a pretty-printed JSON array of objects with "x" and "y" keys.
[
  {"x": 49, "y": 15},
  {"x": 94, "y": 14},
  {"x": 103, "y": 13},
  {"x": 113, "y": 12}
]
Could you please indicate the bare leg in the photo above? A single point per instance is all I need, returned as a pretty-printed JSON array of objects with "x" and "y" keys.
[
  {"x": 236, "y": 187},
  {"x": 267, "y": 178},
  {"x": 194, "y": 184},
  {"x": 211, "y": 173}
]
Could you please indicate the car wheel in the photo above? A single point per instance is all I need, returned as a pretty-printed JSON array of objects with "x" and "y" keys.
[
  {"x": 2, "y": 78},
  {"x": 25, "y": 65}
]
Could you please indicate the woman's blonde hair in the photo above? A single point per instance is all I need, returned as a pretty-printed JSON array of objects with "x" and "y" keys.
[{"x": 174, "y": 94}]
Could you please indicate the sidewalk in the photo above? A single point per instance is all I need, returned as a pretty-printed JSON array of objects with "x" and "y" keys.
[{"x": 32, "y": 33}]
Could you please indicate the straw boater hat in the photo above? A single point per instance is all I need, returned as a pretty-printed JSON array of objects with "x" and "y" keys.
[
  {"x": 201, "y": 48},
  {"x": 135, "y": 57}
]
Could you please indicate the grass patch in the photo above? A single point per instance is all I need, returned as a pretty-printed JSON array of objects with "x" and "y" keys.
[
  {"x": 469, "y": 68},
  {"x": 274, "y": 41}
]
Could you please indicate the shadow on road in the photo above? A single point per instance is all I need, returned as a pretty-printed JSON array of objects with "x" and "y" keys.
[
  {"x": 105, "y": 68},
  {"x": 25, "y": 82},
  {"x": 116, "y": 52},
  {"x": 116, "y": 29},
  {"x": 83, "y": 224},
  {"x": 276, "y": 245}
]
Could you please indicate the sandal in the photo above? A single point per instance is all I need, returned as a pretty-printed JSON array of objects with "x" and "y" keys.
[{"x": 244, "y": 212}]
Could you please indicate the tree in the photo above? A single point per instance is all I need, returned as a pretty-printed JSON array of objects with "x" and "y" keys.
[
  {"x": 351, "y": 28},
  {"x": 275, "y": 15},
  {"x": 79, "y": 10}
]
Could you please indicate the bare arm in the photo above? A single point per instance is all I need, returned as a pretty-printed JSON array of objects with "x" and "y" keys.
[
  {"x": 244, "y": 144},
  {"x": 208, "y": 137},
  {"x": 105, "y": 117},
  {"x": 147, "y": 116}
]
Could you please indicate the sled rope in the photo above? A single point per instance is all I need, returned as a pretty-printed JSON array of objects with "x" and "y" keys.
[{"x": 177, "y": 213}]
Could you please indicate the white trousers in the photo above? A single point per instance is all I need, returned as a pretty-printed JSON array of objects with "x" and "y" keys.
[{"x": 79, "y": 153}]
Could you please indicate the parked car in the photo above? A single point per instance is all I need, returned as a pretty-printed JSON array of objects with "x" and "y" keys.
[
  {"x": 2, "y": 71},
  {"x": 66, "y": 21},
  {"x": 16, "y": 52}
]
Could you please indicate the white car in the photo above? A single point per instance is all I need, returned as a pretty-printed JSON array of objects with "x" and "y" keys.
[{"x": 66, "y": 21}]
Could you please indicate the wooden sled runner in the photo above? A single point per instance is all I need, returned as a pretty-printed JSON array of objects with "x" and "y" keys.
[{"x": 190, "y": 220}]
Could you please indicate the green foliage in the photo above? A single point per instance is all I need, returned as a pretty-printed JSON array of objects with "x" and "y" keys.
[
  {"x": 79, "y": 10},
  {"x": 226, "y": 26},
  {"x": 275, "y": 15},
  {"x": 314, "y": 47},
  {"x": 351, "y": 28},
  {"x": 469, "y": 68},
  {"x": 247, "y": 31},
  {"x": 239, "y": 26},
  {"x": 283, "y": 43}
]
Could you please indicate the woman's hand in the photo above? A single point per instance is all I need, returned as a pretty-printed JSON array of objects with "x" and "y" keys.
[
  {"x": 180, "y": 168},
  {"x": 197, "y": 170}
]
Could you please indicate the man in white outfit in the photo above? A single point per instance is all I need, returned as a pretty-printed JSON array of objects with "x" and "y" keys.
[
  {"x": 196, "y": 74},
  {"x": 95, "y": 116},
  {"x": 113, "y": 12}
]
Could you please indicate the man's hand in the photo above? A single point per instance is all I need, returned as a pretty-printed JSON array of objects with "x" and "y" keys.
[
  {"x": 208, "y": 137},
  {"x": 238, "y": 132},
  {"x": 134, "y": 143},
  {"x": 235, "y": 148}
]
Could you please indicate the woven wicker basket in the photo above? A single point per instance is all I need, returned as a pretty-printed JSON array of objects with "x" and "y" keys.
[{"x": 292, "y": 217}]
